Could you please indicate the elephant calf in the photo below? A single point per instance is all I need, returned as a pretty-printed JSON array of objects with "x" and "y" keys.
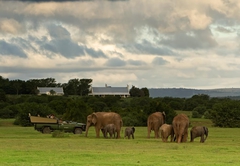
[
  {"x": 129, "y": 131},
  {"x": 166, "y": 130},
  {"x": 109, "y": 128},
  {"x": 199, "y": 131}
]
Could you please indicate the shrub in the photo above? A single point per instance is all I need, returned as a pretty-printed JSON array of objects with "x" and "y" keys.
[
  {"x": 58, "y": 134},
  {"x": 195, "y": 114}
]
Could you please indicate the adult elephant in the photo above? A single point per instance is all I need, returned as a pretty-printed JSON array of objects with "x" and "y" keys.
[
  {"x": 180, "y": 126},
  {"x": 155, "y": 121},
  {"x": 101, "y": 119},
  {"x": 199, "y": 131}
]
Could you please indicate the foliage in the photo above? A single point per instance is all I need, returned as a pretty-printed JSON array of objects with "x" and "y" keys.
[
  {"x": 9, "y": 111},
  {"x": 195, "y": 101},
  {"x": 195, "y": 114},
  {"x": 145, "y": 91},
  {"x": 207, "y": 114},
  {"x": 136, "y": 92},
  {"x": 34, "y": 109},
  {"x": 226, "y": 114},
  {"x": 198, "y": 111},
  {"x": 3, "y": 97},
  {"x": 76, "y": 110}
]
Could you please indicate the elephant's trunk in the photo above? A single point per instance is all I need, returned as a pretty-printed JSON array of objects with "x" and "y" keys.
[{"x": 86, "y": 133}]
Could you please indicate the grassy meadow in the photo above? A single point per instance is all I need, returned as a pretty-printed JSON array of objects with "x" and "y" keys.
[{"x": 21, "y": 146}]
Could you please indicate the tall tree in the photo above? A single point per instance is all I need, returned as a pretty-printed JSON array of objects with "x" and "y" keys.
[
  {"x": 17, "y": 85},
  {"x": 73, "y": 87},
  {"x": 84, "y": 86}
]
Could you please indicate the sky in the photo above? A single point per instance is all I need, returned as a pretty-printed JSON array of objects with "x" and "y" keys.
[{"x": 141, "y": 43}]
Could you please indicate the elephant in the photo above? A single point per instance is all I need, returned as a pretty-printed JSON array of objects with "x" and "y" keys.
[
  {"x": 166, "y": 130},
  {"x": 199, "y": 131},
  {"x": 180, "y": 126},
  {"x": 101, "y": 119},
  {"x": 111, "y": 129},
  {"x": 129, "y": 131},
  {"x": 155, "y": 121}
]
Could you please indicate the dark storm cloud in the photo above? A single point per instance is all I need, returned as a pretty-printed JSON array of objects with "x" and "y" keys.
[
  {"x": 11, "y": 49},
  {"x": 62, "y": 43},
  {"x": 199, "y": 39},
  {"x": 64, "y": 47},
  {"x": 115, "y": 62},
  {"x": 148, "y": 48}
]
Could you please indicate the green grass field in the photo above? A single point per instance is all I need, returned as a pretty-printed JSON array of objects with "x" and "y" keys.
[{"x": 23, "y": 146}]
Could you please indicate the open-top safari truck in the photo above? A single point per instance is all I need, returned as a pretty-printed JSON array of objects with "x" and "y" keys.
[{"x": 47, "y": 125}]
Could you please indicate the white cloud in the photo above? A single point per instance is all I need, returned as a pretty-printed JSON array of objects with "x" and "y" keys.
[{"x": 157, "y": 44}]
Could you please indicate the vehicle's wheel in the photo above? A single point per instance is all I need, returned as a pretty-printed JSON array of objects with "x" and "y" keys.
[
  {"x": 78, "y": 131},
  {"x": 46, "y": 130}
]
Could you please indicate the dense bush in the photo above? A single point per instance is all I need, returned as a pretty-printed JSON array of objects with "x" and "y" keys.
[
  {"x": 134, "y": 111},
  {"x": 195, "y": 114},
  {"x": 226, "y": 114},
  {"x": 22, "y": 117}
]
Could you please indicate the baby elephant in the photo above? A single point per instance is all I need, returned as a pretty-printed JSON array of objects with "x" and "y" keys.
[
  {"x": 109, "y": 128},
  {"x": 199, "y": 131},
  {"x": 166, "y": 130},
  {"x": 129, "y": 131}
]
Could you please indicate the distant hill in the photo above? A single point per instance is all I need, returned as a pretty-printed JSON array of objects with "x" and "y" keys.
[{"x": 188, "y": 93}]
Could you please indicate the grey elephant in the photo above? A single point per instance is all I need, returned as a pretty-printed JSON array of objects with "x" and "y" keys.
[
  {"x": 111, "y": 129},
  {"x": 129, "y": 131},
  {"x": 166, "y": 130},
  {"x": 199, "y": 131}
]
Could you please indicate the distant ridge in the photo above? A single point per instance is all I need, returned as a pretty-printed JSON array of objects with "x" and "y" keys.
[{"x": 188, "y": 93}]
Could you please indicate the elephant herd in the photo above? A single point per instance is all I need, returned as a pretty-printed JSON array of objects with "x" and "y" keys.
[{"x": 111, "y": 123}]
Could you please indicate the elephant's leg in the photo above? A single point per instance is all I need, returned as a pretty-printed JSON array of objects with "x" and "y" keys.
[
  {"x": 118, "y": 133},
  {"x": 202, "y": 139},
  {"x": 184, "y": 139},
  {"x": 192, "y": 139},
  {"x": 110, "y": 133},
  {"x": 149, "y": 131},
  {"x": 132, "y": 136},
  {"x": 156, "y": 132},
  {"x": 97, "y": 132}
]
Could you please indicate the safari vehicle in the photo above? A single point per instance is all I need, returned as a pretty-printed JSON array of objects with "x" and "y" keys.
[{"x": 47, "y": 125}]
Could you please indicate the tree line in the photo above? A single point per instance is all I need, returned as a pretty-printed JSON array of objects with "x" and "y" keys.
[
  {"x": 224, "y": 112},
  {"x": 74, "y": 86},
  {"x": 75, "y": 105}
]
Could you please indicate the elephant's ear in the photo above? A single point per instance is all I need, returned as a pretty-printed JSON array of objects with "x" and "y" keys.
[
  {"x": 164, "y": 117},
  {"x": 94, "y": 118}
]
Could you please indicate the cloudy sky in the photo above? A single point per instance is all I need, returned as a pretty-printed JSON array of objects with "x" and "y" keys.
[{"x": 145, "y": 43}]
